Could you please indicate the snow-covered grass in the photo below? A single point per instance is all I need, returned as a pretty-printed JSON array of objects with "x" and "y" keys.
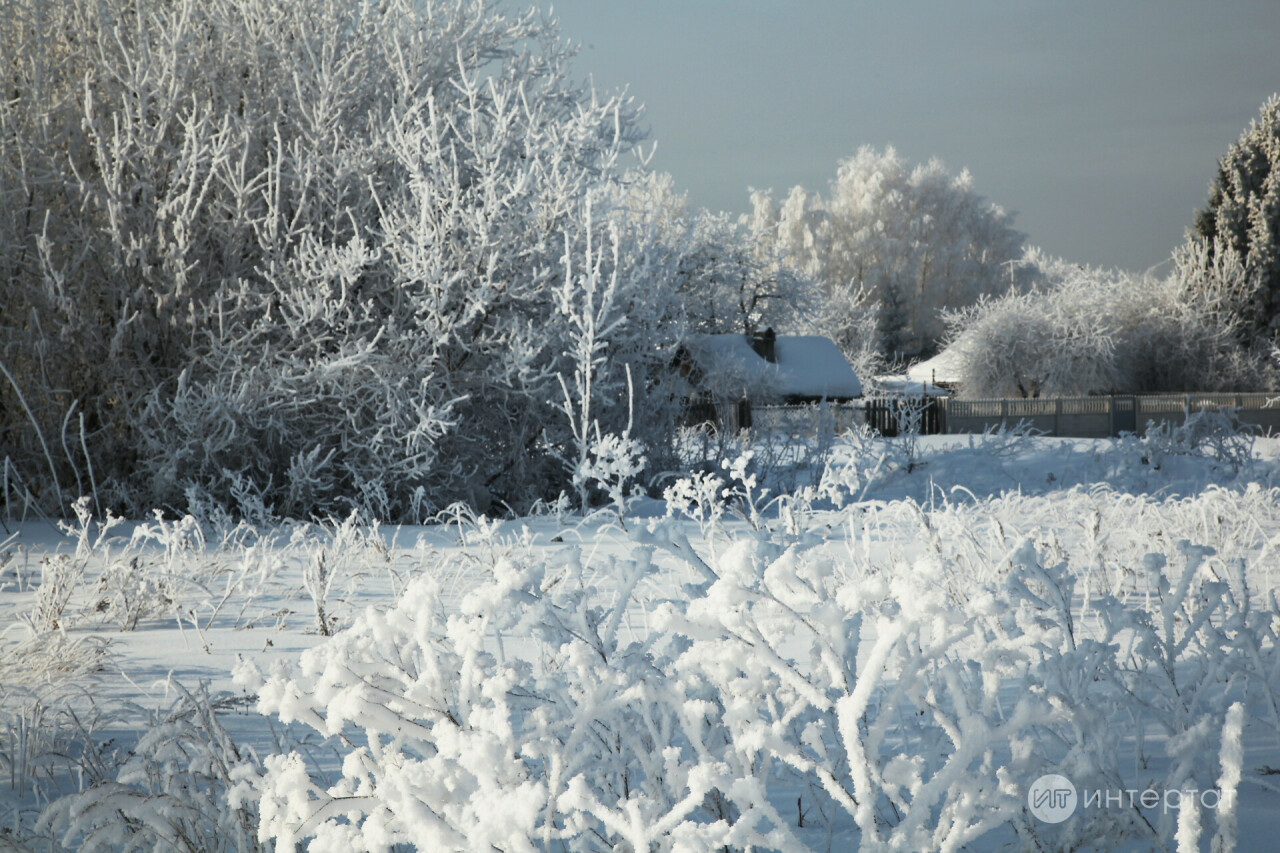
[{"x": 889, "y": 655}]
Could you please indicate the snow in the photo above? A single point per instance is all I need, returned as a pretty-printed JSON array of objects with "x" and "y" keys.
[
  {"x": 933, "y": 636},
  {"x": 807, "y": 366}
]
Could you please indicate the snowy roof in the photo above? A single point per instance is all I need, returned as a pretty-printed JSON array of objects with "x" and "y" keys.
[
  {"x": 946, "y": 366},
  {"x": 807, "y": 366}
]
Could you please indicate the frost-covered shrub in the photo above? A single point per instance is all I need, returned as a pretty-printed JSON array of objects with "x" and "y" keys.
[
  {"x": 1218, "y": 435},
  {"x": 60, "y": 577},
  {"x": 43, "y": 749},
  {"x": 743, "y": 673},
  {"x": 162, "y": 565},
  {"x": 761, "y": 686},
  {"x": 699, "y": 496},
  {"x": 465, "y": 743},
  {"x": 1092, "y": 331},
  {"x": 331, "y": 551},
  {"x": 129, "y": 591},
  {"x": 850, "y": 474},
  {"x": 708, "y": 492},
  {"x": 173, "y": 791}
]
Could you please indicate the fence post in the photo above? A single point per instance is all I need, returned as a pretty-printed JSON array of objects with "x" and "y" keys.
[{"x": 1057, "y": 415}]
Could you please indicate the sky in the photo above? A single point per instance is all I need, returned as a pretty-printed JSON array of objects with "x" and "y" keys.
[{"x": 1099, "y": 123}]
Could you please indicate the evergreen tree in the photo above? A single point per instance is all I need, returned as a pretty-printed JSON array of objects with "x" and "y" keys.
[
  {"x": 893, "y": 320},
  {"x": 1243, "y": 216}
]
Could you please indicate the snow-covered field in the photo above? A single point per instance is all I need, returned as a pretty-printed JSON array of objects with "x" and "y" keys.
[{"x": 891, "y": 657}]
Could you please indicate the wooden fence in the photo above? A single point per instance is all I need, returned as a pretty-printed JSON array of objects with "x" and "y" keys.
[
  {"x": 1103, "y": 417},
  {"x": 887, "y": 415},
  {"x": 1076, "y": 417}
]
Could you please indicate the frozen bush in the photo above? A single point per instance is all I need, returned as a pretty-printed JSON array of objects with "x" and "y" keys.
[
  {"x": 48, "y": 732},
  {"x": 172, "y": 792},
  {"x": 130, "y": 590},
  {"x": 60, "y": 577},
  {"x": 1094, "y": 331},
  {"x": 1218, "y": 435},
  {"x": 464, "y": 745},
  {"x": 759, "y": 686}
]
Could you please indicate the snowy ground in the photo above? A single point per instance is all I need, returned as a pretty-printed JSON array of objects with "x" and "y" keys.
[{"x": 893, "y": 657}]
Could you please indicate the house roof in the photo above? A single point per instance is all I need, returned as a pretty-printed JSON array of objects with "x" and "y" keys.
[
  {"x": 945, "y": 367},
  {"x": 808, "y": 367}
]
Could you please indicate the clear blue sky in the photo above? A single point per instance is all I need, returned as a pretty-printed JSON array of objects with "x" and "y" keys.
[{"x": 1099, "y": 123}]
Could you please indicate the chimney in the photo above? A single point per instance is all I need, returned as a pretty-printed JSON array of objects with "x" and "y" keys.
[{"x": 763, "y": 344}]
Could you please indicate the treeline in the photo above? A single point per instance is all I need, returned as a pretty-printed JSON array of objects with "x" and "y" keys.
[{"x": 294, "y": 256}]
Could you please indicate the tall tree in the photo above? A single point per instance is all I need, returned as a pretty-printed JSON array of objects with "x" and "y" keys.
[
  {"x": 728, "y": 281},
  {"x": 919, "y": 239},
  {"x": 1243, "y": 216}
]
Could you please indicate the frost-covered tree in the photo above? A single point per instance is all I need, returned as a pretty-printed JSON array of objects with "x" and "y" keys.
[
  {"x": 727, "y": 280},
  {"x": 916, "y": 237},
  {"x": 1094, "y": 331},
  {"x": 1243, "y": 217},
  {"x": 304, "y": 252}
]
